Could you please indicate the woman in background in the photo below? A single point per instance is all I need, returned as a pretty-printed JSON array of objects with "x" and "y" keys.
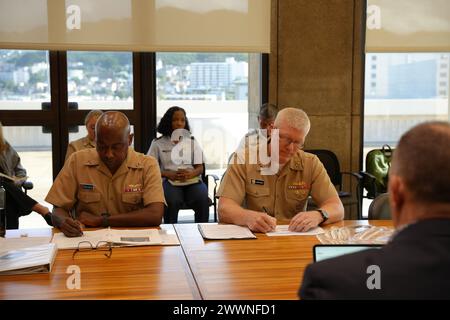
[
  {"x": 182, "y": 182},
  {"x": 89, "y": 140},
  {"x": 17, "y": 203}
]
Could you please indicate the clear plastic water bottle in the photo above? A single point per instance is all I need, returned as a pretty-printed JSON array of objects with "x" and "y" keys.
[{"x": 2, "y": 212}]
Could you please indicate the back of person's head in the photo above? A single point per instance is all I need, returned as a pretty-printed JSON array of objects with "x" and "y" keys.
[
  {"x": 294, "y": 118},
  {"x": 268, "y": 112},
  {"x": 165, "y": 125},
  {"x": 92, "y": 114},
  {"x": 422, "y": 161}
]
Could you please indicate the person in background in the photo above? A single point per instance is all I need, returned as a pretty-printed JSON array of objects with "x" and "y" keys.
[
  {"x": 89, "y": 140},
  {"x": 415, "y": 262},
  {"x": 17, "y": 203},
  {"x": 266, "y": 117},
  {"x": 182, "y": 182},
  {"x": 112, "y": 185}
]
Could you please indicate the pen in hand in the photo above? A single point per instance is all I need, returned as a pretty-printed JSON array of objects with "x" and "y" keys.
[{"x": 273, "y": 225}]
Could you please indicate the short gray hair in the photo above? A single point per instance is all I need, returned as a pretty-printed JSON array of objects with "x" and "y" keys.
[
  {"x": 294, "y": 118},
  {"x": 92, "y": 114}
]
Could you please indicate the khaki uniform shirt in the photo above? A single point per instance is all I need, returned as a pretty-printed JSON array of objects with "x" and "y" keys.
[
  {"x": 283, "y": 194},
  {"x": 86, "y": 184},
  {"x": 80, "y": 144}
]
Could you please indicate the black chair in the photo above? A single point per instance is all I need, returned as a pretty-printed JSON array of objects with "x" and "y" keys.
[
  {"x": 380, "y": 209},
  {"x": 212, "y": 200},
  {"x": 27, "y": 185},
  {"x": 14, "y": 220},
  {"x": 331, "y": 164}
]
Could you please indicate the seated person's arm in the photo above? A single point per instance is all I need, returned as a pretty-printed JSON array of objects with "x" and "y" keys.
[
  {"x": 64, "y": 222},
  {"x": 231, "y": 212},
  {"x": 304, "y": 221},
  {"x": 183, "y": 174},
  {"x": 149, "y": 216}
]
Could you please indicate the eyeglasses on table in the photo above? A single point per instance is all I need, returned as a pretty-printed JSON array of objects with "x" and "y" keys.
[{"x": 85, "y": 246}]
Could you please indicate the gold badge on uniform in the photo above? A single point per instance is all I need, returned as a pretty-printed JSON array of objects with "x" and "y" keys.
[
  {"x": 300, "y": 188},
  {"x": 134, "y": 188}
]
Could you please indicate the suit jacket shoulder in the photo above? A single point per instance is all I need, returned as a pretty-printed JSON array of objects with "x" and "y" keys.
[{"x": 414, "y": 265}]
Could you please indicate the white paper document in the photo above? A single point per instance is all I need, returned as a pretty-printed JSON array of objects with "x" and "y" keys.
[
  {"x": 224, "y": 231},
  {"x": 25, "y": 260},
  {"x": 282, "y": 230},
  {"x": 119, "y": 238}
]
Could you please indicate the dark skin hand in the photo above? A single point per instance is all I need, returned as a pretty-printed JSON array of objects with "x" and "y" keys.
[
  {"x": 151, "y": 215},
  {"x": 89, "y": 219},
  {"x": 70, "y": 227},
  {"x": 183, "y": 174}
]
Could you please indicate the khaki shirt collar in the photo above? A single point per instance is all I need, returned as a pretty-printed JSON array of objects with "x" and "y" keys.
[
  {"x": 88, "y": 143},
  {"x": 295, "y": 164}
]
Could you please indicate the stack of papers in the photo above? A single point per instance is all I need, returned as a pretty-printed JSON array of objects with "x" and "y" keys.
[
  {"x": 26, "y": 255},
  {"x": 224, "y": 231},
  {"x": 119, "y": 238},
  {"x": 282, "y": 230}
]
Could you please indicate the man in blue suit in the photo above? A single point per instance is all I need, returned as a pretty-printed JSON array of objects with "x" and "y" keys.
[{"x": 415, "y": 264}]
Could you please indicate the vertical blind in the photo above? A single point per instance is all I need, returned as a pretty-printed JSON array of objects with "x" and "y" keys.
[
  {"x": 136, "y": 25},
  {"x": 408, "y": 26}
]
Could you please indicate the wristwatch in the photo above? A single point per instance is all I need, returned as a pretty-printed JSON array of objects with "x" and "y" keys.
[
  {"x": 105, "y": 221},
  {"x": 324, "y": 215}
]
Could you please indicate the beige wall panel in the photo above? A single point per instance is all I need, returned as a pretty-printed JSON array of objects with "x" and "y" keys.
[{"x": 315, "y": 55}]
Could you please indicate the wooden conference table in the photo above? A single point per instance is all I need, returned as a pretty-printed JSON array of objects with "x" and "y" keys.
[{"x": 264, "y": 268}]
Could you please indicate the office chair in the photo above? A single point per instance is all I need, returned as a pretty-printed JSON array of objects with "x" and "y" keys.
[
  {"x": 10, "y": 214},
  {"x": 27, "y": 185},
  {"x": 331, "y": 164},
  {"x": 379, "y": 209}
]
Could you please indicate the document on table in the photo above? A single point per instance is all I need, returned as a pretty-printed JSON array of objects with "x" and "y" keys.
[
  {"x": 119, "y": 238},
  {"x": 224, "y": 232},
  {"x": 282, "y": 230}
]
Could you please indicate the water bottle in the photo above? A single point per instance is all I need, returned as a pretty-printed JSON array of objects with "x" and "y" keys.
[{"x": 2, "y": 212}]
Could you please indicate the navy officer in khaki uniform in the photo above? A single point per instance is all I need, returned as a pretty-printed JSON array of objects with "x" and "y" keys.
[
  {"x": 282, "y": 194},
  {"x": 111, "y": 185}
]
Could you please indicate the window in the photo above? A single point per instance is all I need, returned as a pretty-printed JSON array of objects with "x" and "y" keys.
[
  {"x": 409, "y": 92},
  {"x": 213, "y": 88},
  {"x": 215, "y": 91},
  {"x": 24, "y": 79},
  {"x": 100, "y": 80}
]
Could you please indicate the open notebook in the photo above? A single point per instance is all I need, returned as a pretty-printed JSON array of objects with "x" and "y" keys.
[
  {"x": 119, "y": 238},
  {"x": 26, "y": 257}
]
